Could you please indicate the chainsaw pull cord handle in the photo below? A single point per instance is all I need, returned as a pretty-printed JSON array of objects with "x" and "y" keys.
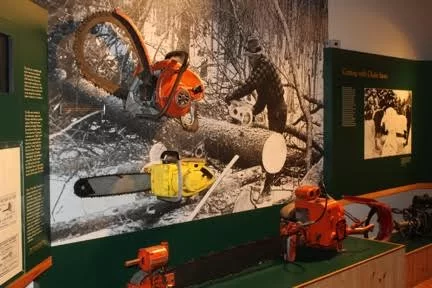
[{"x": 182, "y": 69}]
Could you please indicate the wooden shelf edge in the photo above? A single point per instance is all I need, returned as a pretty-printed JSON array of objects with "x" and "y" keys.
[
  {"x": 392, "y": 191},
  {"x": 419, "y": 249},
  {"x": 31, "y": 275},
  {"x": 393, "y": 250},
  {"x": 381, "y": 241}
]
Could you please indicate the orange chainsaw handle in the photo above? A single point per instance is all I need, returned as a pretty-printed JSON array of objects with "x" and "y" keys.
[
  {"x": 180, "y": 73},
  {"x": 385, "y": 218},
  {"x": 132, "y": 262}
]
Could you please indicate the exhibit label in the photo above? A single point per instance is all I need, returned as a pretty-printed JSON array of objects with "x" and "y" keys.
[
  {"x": 364, "y": 73},
  {"x": 10, "y": 214}
]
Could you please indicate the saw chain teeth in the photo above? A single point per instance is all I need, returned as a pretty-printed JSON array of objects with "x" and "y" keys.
[{"x": 119, "y": 20}]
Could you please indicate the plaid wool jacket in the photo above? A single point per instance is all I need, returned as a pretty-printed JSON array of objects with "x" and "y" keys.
[{"x": 265, "y": 79}]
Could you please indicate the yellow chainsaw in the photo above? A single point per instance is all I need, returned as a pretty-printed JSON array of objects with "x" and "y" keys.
[{"x": 170, "y": 180}]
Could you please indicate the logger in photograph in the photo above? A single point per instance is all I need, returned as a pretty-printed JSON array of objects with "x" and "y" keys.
[{"x": 264, "y": 78}]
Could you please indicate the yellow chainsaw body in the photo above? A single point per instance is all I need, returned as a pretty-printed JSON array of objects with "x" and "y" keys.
[{"x": 196, "y": 177}]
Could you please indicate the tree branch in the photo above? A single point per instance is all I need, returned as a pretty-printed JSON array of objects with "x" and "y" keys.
[
  {"x": 52, "y": 136},
  {"x": 303, "y": 107},
  {"x": 298, "y": 134}
]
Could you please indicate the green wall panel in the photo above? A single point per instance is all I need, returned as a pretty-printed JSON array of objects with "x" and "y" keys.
[
  {"x": 346, "y": 171},
  {"x": 424, "y": 140},
  {"x": 26, "y": 25}
]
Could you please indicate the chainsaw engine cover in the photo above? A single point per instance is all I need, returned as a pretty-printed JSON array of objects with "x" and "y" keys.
[
  {"x": 189, "y": 89},
  {"x": 196, "y": 178},
  {"x": 329, "y": 230},
  {"x": 164, "y": 178}
]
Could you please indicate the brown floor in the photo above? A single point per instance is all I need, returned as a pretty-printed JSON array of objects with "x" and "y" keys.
[{"x": 425, "y": 284}]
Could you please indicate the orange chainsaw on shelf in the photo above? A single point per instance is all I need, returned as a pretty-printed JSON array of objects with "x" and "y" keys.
[
  {"x": 164, "y": 88},
  {"x": 317, "y": 221},
  {"x": 152, "y": 262}
]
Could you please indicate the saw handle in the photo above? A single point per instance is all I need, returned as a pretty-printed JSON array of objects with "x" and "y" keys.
[
  {"x": 132, "y": 262},
  {"x": 170, "y": 156},
  {"x": 179, "y": 53},
  {"x": 180, "y": 73}
]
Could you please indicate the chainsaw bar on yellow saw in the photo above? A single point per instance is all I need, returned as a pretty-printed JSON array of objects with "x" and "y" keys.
[
  {"x": 123, "y": 22},
  {"x": 112, "y": 185}
]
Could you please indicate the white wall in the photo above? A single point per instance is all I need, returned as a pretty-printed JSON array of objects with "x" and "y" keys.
[{"x": 398, "y": 28}]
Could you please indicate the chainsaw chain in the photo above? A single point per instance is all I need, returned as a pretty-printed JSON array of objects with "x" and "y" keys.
[{"x": 121, "y": 21}]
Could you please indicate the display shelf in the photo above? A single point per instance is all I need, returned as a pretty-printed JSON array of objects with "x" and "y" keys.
[
  {"x": 412, "y": 244},
  {"x": 393, "y": 191},
  {"x": 418, "y": 254},
  {"x": 357, "y": 266},
  {"x": 418, "y": 266}
]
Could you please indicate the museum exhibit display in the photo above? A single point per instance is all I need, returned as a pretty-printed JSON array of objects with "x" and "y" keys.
[
  {"x": 379, "y": 103},
  {"x": 317, "y": 220},
  {"x": 128, "y": 84},
  {"x": 372, "y": 102},
  {"x": 201, "y": 143},
  {"x": 416, "y": 218}
]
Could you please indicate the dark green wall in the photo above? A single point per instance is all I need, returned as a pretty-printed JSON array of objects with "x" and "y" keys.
[
  {"x": 26, "y": 25},
  {"x": 423, "y": 109},
  {"x": 99, "y": 262},
  {"x": 346, "y": 171}
]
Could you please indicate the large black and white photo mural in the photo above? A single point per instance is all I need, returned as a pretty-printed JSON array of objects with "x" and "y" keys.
[
  {"x": 234, "y": 87},
  {"x": 387, "y": 122}
]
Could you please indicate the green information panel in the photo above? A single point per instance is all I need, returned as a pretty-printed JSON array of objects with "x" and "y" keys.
[
  {"x": 24, "y": 197},
  {"x": 371, "y": 122}
]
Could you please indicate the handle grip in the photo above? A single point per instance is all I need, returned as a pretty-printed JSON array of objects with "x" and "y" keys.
[{"x": 133, "y": 262}]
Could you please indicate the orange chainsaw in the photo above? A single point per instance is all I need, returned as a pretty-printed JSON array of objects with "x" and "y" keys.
[
  {"x": 152, "y": 262},
  {"x": 317, "y": 221},
  {"x": 164, "y": 88}
]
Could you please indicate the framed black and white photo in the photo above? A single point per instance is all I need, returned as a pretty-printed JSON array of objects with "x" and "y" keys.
[{"x": 387, "y": 122}]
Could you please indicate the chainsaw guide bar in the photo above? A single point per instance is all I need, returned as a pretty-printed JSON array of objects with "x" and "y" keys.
[
  {"x": 112, "y": 185},
  {"x": 120, "y": 20}
]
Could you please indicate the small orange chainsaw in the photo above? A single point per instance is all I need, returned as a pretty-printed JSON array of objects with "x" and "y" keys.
[
  {"x": 316, "y": 221},
  {"x": 153, "y": 274}
]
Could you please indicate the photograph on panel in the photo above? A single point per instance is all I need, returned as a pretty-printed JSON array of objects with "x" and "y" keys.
[
  {"x": 223, "y": 99},
  {"x": 387, "y": 122}
]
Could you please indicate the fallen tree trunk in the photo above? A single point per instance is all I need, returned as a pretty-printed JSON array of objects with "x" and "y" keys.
[
  {"x": 114, "y": 111},
  {"x": 221, "y": 140}
]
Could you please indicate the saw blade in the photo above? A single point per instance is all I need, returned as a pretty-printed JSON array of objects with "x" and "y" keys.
[
  {"x": 123, "y": 22},
  {"x": 112, "y": 185}
]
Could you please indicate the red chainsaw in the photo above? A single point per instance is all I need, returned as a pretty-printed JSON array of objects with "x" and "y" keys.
[
  {"x": 164, "y": 88},
  {"x": 318, "y": 221}
]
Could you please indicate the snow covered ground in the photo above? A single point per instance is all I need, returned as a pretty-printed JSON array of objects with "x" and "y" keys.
[{"x": 66, "y": 205}]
